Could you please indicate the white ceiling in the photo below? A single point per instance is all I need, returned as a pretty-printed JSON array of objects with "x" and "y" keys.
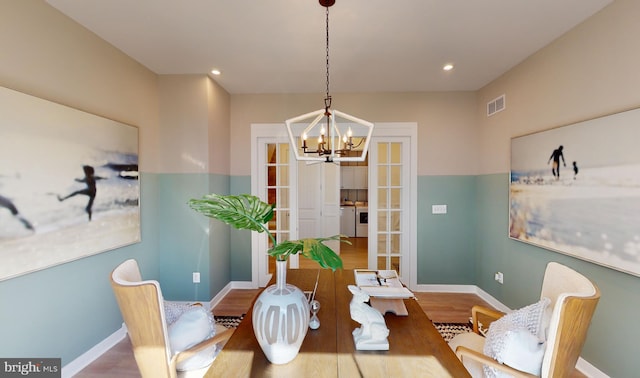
[{"x": 278, "y": 46}]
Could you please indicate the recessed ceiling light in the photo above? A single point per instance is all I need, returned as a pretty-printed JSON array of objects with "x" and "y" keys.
[
  {"x": 448, "y": 67},
  {"x": 215, "y": 72}
]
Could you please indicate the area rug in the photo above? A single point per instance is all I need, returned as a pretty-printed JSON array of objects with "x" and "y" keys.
[
  {"x": 229, "y": 321},
  {"x": 449, "y": 330}
]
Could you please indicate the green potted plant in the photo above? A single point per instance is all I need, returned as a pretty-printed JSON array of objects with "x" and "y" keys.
[
  {"x": 288, "y": 303},
  {"x": 247, "y": 212}
]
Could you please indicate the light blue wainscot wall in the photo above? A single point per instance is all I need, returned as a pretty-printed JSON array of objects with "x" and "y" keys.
[
  {"x": 446, "y": 242},
  {"x": 189, "y": 241},
  {"x": 611, "y": 344},
  {"x": 63, "y": 311},
  {"x": 240, "y": 239},
  {"x": 446, "y": 252}
]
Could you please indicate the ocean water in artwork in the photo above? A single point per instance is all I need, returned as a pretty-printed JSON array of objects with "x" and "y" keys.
[
  {"x": 39, "y": 195},
  {"x": 594, "y": 214}
]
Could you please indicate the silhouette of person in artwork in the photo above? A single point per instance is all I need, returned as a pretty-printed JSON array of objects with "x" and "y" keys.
[
  {"x": 6, "y": 203},
  {"x": 575, "y": 170},
  {"x": 90, "y": 179},
  {"x": 556, "y": 155}
]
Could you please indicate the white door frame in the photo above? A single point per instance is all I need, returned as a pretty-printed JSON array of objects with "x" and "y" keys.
[
  {"x": 386, "y": 132},
  {"x": 278, "y": 133},
  {"x": 261, "y": 134}
]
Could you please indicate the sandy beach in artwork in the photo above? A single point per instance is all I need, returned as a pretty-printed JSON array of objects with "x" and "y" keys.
[
  {"x": 594, "y": 217},
  {"x": 115, "y": 228}
]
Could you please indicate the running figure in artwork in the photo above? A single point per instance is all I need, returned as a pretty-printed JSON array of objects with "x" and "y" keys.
[
  {"x": 90, "y": 179},
  {"x": 6, "y": 203},
  {"x": 575, "y": 170},
  {"x": 555, "y": 156}
]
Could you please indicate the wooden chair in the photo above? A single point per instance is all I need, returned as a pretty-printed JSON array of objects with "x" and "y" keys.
[
  {"x": 573, "y": 302},
  {"x": 142, "y": 308}
]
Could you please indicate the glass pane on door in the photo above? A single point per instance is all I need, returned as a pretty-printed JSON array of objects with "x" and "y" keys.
[
  {"x": 277, "y": 189},
  {"x": 389, "y": 210}
]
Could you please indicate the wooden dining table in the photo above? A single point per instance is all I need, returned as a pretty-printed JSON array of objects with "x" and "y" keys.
[{"x": 415, "y": 346}]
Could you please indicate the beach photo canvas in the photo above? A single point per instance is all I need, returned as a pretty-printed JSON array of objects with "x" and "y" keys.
[
  {"x": 69, "y": 185},
  {"x": 576, "y": 190}
]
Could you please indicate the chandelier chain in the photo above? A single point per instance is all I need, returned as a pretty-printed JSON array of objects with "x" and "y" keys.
[
  {"x": 332, "y": 145},
  {"x": 328, "y": 98}
]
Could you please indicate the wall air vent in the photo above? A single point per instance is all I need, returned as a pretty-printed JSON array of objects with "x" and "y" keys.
[{"x": 496, "y": 105}]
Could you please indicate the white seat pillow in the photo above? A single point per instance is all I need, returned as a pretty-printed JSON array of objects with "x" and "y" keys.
[
  {"x": 190, "y": 328},
  {"x": 474, "y": 342},
  {"x": 517, "y": 339},
  {"x": 523, "y": 351}
]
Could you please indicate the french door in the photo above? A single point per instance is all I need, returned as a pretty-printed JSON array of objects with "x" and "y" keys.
[
  {"x": 306, "y": 197},
  {"x": 392, "y": 197},
  {"x": 275, "y": 187},
  {"x": 392, "y": 201}
]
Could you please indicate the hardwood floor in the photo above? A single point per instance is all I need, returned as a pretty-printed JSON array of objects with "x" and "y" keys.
[
  {"x": 449, "y": 307},
  {"x": 119, "y": 361},
  {"x": 116, "y": 362}
]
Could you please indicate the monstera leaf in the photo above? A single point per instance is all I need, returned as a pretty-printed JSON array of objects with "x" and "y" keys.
[
  {"x": 247, "y": 212},
  {"x": 244, "y": 212},
  {"x": 311, "y": 248}
]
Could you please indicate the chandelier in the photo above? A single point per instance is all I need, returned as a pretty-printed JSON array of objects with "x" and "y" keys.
[{"x": 331, "y": 135}]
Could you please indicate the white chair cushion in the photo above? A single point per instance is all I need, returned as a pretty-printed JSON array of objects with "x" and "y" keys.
[
  {"x": 474, "y": 342},
  {"x": 190, "y": 328},
  {"x": 201, "y": 360}
]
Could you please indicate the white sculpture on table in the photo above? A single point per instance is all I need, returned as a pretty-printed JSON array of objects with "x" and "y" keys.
[{"x": 372, "y": 335}]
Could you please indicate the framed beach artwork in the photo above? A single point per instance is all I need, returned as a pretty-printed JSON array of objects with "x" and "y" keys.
[
  {"x": 576, "y": 190},
  {"x": 69, "y": 184}
]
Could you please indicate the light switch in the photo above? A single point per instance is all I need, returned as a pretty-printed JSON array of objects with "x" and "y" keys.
[{"x": 438, "y": 209}]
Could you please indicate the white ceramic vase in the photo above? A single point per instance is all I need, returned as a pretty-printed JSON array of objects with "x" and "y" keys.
[{"x": 281, "y": 318}]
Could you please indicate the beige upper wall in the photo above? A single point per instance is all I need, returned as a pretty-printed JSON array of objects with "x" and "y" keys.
[
  {"x": 47, "y": 55},
  {"x": 183, "y": 123},
  {"x": 219, "y": 133},
  {"x": 194, "y": 125},
  {"x": 448, "y": 137},
  {"x": 591, "y": 71}
]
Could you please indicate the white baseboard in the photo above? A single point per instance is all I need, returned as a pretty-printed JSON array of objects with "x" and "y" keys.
[
  {"x": 225, "y": 290},
  {"x": 589, "y": 370},
  {"x": 491, "y": 300},
  {"x": 243, "y": 285},
  {"x": 75, "y": 366},
  {"x": 215, "y": 300},
  {"x": 446, "y": 288},
  {"x": 469, "y": 289},
  {"x": 582, "y": 365}
]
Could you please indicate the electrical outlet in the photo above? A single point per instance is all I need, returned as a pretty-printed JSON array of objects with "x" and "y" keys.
[
  {"x": 438, "y": 209},
  {"x": 196, "y": 277},
  {"x": 499, "y": 277}
]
